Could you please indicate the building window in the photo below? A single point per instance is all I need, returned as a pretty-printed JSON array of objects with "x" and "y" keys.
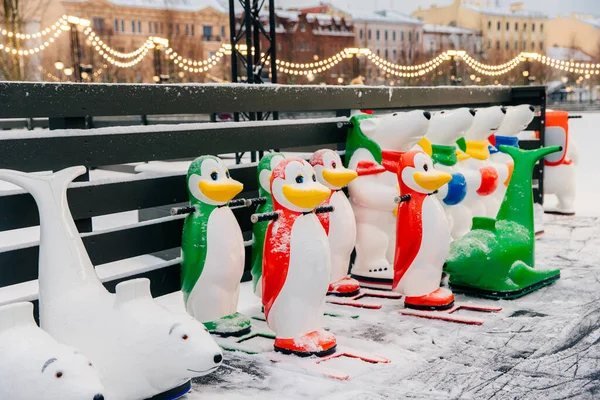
[
  {"x": 370, "y": 36},
  {"x": 387, "y": 54},
  {"x": 498, "y": 25},
  {"x": 378, "y": 34},
  {"x": 516, "y": 45},
  {"x": 207, "y": 31},
  {"x": 394, "y": 35},
  {"x": 116, "y": 25},
  {"x": 409, "y": 54},
  {"x": 542, "y": 28},
  {"x": 385, "y": 34},
  {"x": 378, "y": 53},
  {"x": 532, "y": 27},
  {"x": 489, "y": 44},
  {"x": 192, "y": 30},
  {"x": 98, "y": 24},
  {"x": 489, "y": 25},
  {"x": 409, "y": 37},
  {"x": 532, "y": 45},
  {"x": 541, "y": 45},
  {"x": 417, "y": 37},
  {"x": 122, "y": 25},
  {"x": 150, "y": 27},
  {"x": 394, "y": 55},
  {"x": 222, "y": 31},
  {"x": 187, "y": 30},
  {"x": 302, "y": 27},
  {"x": 524, "y": 26},
  {"x": 161, "y": 27},
  {"x": 132, "y": 26},
  {"x": 498, "y": 45},
  {"x": 360, "y": 34},
  {"x": 523, "y": 45},
  {"x": 506, "y": 45},
  {"x": 140, "y": 26},
  {"x": 402, "y": 36},
  {"x": 516, "y": 26},
  {"x": 508, "y": 26}
]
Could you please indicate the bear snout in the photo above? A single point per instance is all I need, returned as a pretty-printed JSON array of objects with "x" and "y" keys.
[
  {"x": 98, "y": 397},
  {"x": 217, "y": 358}
]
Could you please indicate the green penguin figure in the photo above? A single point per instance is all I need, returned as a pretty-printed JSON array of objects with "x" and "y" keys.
[
  {"x": 263, "y": 174},
  {"x": 497, "y": 258},
  {"x": 212, "y": 249}
]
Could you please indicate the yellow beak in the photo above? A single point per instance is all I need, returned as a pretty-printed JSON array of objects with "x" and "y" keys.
[
  {"x": 308, "y": 198},
  {"x": 461, "y": 155},
  {"x": 478, "y": 149},
  {"x": 339, "y": 177},
  {"x": 426, "y": 146},
  {"x": 432, "y": 180},
  {"x": 221, "y": 191}
]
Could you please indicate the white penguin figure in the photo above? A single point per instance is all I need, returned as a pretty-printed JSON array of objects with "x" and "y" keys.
[
  {"x": 34, "y": 366},
  {"x": 139, "y": 349},
  {"x": 445, "y": 128},
  {"x": 373, "y": 150},
  {"x": 516, "y": 120},
  {"x": 487, "y": 121},
  {"x": 339, "y": 225}
]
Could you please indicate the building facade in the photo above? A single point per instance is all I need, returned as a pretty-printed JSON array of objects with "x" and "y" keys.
[
  {"x": 505, "y": 31},
  {"x": 439, "y": 38},
  {"x": 583, "y": 33},
  {"x": 195, "y": 30}
]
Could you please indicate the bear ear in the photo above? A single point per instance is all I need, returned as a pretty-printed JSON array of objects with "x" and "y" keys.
[
  {"x": 369, "y": 126},
  {"x": 131, "y": 290}
]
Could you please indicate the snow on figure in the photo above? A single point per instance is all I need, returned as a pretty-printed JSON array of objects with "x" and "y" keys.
[
  {"x": 35, "y": 366},
  {"x": 139, "y": 349},
  {"x": 445, "y": 128},
  {"x": 423, "y": 236},
  {"x": 265, "y": 167},
  {"x": 560, "y": 168},
  {"x": 373, "y": 149},
  {"x": 496, "y": 259},
  {"x": 516, "y": 120},
  {"x": 340, "y": 225},
  {"x": 212, "y": 249},
  {"x": 297, "y": 262}
]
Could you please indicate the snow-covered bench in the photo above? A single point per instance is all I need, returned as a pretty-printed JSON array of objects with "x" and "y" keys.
[{"x": 123, "y": 244}]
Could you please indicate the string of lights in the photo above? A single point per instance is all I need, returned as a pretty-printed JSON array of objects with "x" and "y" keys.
[
  {"x": 398, "y": 67},
  {"x": 507, "y": 67},
  {"x": 62, "y": 22},
  {"x": 195, "y": 66},
  {"x": 32, "y": 50},
  {"x": 100, "y": 45}
]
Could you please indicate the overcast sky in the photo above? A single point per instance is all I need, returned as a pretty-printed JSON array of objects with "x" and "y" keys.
[{"x": 550, "y": 7}]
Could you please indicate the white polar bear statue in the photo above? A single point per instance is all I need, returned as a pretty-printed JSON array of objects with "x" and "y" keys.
[
  {"x": 35, "y": 366},
  {"x": 139, "y": 349},
  {"x": 560, "y": 168},
  {"x": 445, "y": 128},
  {"x": 477, "y": 146},
  {"x": 373, "y": 150}
]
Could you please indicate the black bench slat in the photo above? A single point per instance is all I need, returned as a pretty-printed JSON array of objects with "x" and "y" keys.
[
  {"x": 99, "y": 147},
  {"x": 91, "y": 200}
]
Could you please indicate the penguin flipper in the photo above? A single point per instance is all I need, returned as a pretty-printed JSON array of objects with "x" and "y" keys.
[{"x": 193, "y": 252}]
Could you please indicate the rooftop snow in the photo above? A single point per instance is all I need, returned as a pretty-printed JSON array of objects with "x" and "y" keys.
[
  {"x": 565, "y": 53},
  {"x": 505, "y": 12},
  {"x": 428, "y": 28},
  {"x": 384, "y": 16}
]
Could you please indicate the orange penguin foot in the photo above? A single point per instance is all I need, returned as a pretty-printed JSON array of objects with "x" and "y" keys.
[
  {"x": 318, "y": 343},
  {"x": 441, "y": 299},
  {"x": 345, "y": 287}
]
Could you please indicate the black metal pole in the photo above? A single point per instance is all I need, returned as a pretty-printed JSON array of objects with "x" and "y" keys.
[
  {"x": 249, "y": 64},
  {"x": 273, "y": 47},
  {"x": 75, "y": 53},
  {"x": 233, "y": 41}
]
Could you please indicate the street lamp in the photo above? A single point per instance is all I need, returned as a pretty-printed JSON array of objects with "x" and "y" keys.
[
  {"x": 68, "y": 71},
  {"x": 59, "y": 65}
]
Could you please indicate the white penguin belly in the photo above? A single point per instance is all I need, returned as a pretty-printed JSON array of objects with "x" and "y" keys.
[
  {"x": 342, "y": 235},
  {"x": 216, "y": 293},
  {"x": 424, "y": 274},
  {"x": 298, "y": 309}
]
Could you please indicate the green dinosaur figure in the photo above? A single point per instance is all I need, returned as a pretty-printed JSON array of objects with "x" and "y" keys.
[
  {"x": 259, "y": 230},
  {"x": 497, "y": 258}
]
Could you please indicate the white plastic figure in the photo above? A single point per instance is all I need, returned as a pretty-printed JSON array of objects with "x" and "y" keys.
[
  {"x": 138, "y": 347},
  {"x": 35, "y": 366},
  {"x": 373, "y": 150}
]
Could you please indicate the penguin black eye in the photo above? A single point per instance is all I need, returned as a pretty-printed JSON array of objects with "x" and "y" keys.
[
  {"x": 214, "y": 176},
  {"x": 314, "y": 178},
  {"x": 90, "y": 364},
  {"x": 333, "y": 164},
  {"x": 394, "y": 114},
  {"x": 443, "y": 112},
  {"x": 426, "y": 167},
  {"x": 227, "y": 174},
  {"x": 299, "y": 179},
  {"x": 59, "y": 375}
]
